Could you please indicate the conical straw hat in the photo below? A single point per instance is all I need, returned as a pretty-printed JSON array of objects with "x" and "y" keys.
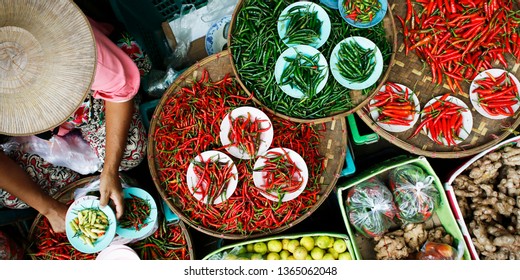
[{"x": 47, "y": 64}]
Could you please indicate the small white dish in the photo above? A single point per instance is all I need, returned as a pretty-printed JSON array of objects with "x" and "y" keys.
[
  {"x": 291, "y": 52},
  {"x": 374, "y": 113},
  {"x": 117, "y": 252},
  {"x": 378, "y": 70},
  {"x": 321, "y": 14},
  {"x": 214, "y": 156},
  {"x": 473, "y": 96},
  {"x": 298, "y": 161},
  {"x": 467, "y": 120},
  {"x": 266, "y": 138}
]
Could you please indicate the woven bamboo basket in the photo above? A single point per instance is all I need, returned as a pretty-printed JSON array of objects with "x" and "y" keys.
[
  {"x": 332, "y": 148},
  {"x": 410, "y": 71},
  {"x": 66, "y": 195},
  {"x": 357, "y": 99}
]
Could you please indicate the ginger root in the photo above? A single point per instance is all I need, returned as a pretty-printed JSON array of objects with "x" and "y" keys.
[
  {"x": 391, "y": 246},
  {"x": 439, "y": 235},
  {"x": 511, "y": 156},
  {"x": 415, "y": 235},
  {"x": 485, "y": 170},
  {"x": 465, "y": 187}
]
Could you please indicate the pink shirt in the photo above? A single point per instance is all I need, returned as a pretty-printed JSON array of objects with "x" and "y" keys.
[{"x": 117, "y": 77}]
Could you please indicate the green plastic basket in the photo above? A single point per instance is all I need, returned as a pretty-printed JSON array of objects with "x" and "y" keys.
[
  {"x": 443, "y": 212},
  {"x": 288, "y": 236}
]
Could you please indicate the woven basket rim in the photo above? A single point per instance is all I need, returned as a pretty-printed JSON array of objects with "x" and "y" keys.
[
  {"x": 383, "y": 78},
  {"x": 151, "y": 160},
  {"x": 83, "y": 181}
]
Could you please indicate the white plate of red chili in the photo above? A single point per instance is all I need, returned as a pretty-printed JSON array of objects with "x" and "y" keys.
[
  {"x": 212, "y": 177},
  {"x": 281, "y": 174},
  {"x": 246, "y": 132},
  {"x": 494, "y": 94}
]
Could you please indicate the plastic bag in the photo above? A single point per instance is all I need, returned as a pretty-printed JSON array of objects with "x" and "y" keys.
[
  {"x": 70, "y": 151},
  {"x": 218, "y": 9},
  {"x": 370, "y": 207},
  {"x": 158, "y": 81},
  {"x": 415, "y": 194},
  {"x": 182, "y": 32},
  {"x": 437, "y": 251}
]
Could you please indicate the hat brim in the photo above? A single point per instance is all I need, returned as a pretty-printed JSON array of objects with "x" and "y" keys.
[{"x": 47, "y": 64}]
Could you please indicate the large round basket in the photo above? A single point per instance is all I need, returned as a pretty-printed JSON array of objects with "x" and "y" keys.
[
  {"x": 66, "y": 195},
  {"x": 410, "y": 71},
  {"x": 255, "y": 45},
  {"x": 332, "y": 151}
]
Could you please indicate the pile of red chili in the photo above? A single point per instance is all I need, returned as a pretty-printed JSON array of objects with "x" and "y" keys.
[
  {"x": 166, "y": 243},
  {"x": 188, "y": 124},
  {"x": 280, "y": 174},
  {"x": 443, "y": 120},
  {"x": 458, "y": 39},
  {"x": 497, "y": 95},
  {"x": 48, "y": 245},
  {"x": 136, "y": 211},
  {"x": 213, "y": 178},
  {"x": 395, "y": 105},
  {"x": 245, "y": 133}
]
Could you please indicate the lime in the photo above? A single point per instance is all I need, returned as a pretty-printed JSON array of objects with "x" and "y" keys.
[
  {"x": 273, "y": 256},
  {"x": 333, "y": 253},
  {"x": 285, "y": 242},
  {"x": 328, "y": 257},
  {"x": 317, "y": 253},
  {"x": 230, "y": 257},
  {"x": 300, "y": 253},
  {"x": 256, "y": 257},
  {"x": 324, "y": 241},
  {"x": 291, "y": 258},
  {"x": 249, "y": 247},
  {"x": 292, "y": 245},
  {"x": 340, "y": 245},
  {"x": 284, "y": 254},
  {"x": 260, "y": 248},
  {"x": 274, "y": 245},
  {"x": 345, "y": 256},
  {"x": 307, "y": 242}
]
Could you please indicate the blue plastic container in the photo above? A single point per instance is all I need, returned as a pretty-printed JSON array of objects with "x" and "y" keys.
[{"x": 330, "y": 4}]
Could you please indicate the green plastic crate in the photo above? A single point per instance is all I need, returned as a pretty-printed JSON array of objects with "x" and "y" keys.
[
  {"x": 288, "y": 236},
  {"x": 443, "y": 212}
]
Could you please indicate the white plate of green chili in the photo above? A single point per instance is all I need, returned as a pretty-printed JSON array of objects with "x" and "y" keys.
[
  {"x": 301, "y": 71},
  {"x": 304, "y": 23},
  {"x": 356, "y": 63}
]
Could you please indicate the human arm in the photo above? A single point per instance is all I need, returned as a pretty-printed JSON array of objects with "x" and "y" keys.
[
  {"x": 14, "y": 180},
  {"x": 117, "y": 116}
]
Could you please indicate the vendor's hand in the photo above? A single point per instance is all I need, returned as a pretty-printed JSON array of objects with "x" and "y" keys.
[
  {"x": 56, "y": 216},
  {"x": 110, "y": 188}
]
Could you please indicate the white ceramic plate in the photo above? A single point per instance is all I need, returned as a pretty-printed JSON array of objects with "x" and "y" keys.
[
  {"x": 300, "y": 163},
  {"x": 266, "y": 138},
  {"x": 291, "y": 52},
  {"x": 467, "y": 119},
  {"x": 100, "y": 243},
  {"x": 117, "y": 252},
  {"x": 378, "y": 70},
  {"x": 322, "y": 15},
  {"x": 473, "y": 96},
  {"x": 192, "y": 179},
  {"x": 374, "y": 113},
  {"x": 216, "y": 37}
]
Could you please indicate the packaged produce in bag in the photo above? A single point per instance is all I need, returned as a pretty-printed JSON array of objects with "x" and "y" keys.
[
  {"x": 437, "y": 251},
  {"x": 370, "y": 208},
  {"x": 415, "y": 195}
]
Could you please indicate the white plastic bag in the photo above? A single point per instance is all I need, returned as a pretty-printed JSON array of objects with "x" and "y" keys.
[
  {"x": 182, "y": 30},
  {"x": 70, "y": 151},
  {"x": 218, "y": 9}
]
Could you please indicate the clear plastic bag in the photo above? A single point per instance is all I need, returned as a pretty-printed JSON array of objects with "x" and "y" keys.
[
  {"x": 219, "y": 9},
  {"x": 158, "y": 81},
  {"x": 370, "y": 207},
  {"x": 438, "y": 251},
  {"x": 415, "y": 194},
  {"x": 182, "y": 30},
  {"x": 70, "y": 151}
]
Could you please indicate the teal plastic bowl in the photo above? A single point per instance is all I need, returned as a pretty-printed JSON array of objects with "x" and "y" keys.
[
  {"x": 375, "y": 20},
  {"x": 150, "y": 222}
]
